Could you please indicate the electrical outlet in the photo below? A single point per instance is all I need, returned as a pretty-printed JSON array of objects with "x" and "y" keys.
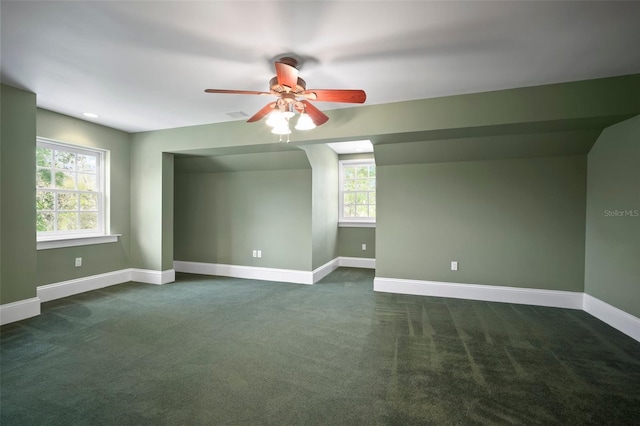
[
  {"x": 454, "y": 265},
  {"x": 255, "y": 253},
  {"x": 78, "y": 261},
  {"x": 259, "y": 253},
  {"x": 364, "y": 247}
]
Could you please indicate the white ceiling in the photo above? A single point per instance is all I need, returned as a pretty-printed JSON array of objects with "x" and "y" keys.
[{"x": 144, "y": 65}]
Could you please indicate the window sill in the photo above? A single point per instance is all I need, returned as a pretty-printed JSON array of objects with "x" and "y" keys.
[
  {"x": 76, "y": 241},
  {"x": 356, "y": 224}
]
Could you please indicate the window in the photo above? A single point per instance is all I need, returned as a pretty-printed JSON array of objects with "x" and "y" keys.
[
  {"x": 358, "y": 191},
  {"x": 69, "y": 191}
]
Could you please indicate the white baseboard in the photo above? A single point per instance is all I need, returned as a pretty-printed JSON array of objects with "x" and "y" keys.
[
  {"x": 247, "y": 272},
  {"x": 616, "y": 318},
  {"x": 357, "y": 262},
  {"x": 152, "y": 277},
  {"x": 272, "y": 274},
  {"x": 526, "y": 296},
  {"x": 324, "y": 270},
  {"x": 22, "y": 309},
  {"x": 27, "y": 308},
  {"x": 62, "y": 289}
]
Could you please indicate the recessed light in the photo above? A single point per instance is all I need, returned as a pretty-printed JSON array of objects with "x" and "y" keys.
[{"x": 90, "y": 115}]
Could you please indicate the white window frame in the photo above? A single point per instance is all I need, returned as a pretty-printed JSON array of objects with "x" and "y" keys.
[
  {"x": 55, "y": 239},
  {"x": 353, "y": 221}
]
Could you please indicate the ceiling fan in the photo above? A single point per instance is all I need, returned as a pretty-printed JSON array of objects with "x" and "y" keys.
[{"x": 289, "y": 88}]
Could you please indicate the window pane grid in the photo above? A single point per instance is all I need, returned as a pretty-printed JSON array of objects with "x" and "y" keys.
[
  {"x": 68, "y": 189},
  {"x": 358, "y": 184}
]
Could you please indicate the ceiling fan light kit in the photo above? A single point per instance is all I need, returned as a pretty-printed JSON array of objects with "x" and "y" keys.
[
  {"x": 274, "y": 118},
  {"x": 288, "y": 87},
  {"x": 281, "y": 129},
  {"x": 305, "y": 122}
]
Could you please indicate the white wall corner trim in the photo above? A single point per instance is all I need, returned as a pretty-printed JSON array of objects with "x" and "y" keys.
[
  {"x": 526, "y": 296},
  {"x": 616, "y": 318},
  {"x": 148, "y": 276},
  {"x": 324, "y": 270},
  {"x": 247, "y": 272},
  {"x": 62, "y": 289},
  {"x": 357, "y": 262},
  {"x": 17, "y": 311}
]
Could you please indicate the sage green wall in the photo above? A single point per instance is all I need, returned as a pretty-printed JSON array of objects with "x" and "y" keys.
[
  {"x": 612, "y": 255},
  {"x": 148, "y": 209},
  {"x": 168, "y": 180},
  {"x": 324, "y": 216},
  {"x": 529, "y": 145},
  {"x": 18, "y": 194},
  {"x": 222, "y": 217},
  {"x": 550, "y": 108},
  {"x": 1, "y": 180},
  {"x": 55, "y": 265},
  {"x": 277, "y": 160},
  {"x": 350, "y": 242},
  {"x": 516, "y": 223}
]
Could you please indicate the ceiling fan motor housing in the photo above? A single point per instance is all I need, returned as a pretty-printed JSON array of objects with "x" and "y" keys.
[{"x": 277, "y": 89}]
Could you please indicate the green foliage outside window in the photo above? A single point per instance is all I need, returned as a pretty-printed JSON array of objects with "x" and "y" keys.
[
  {"x": 358, "y": 191},
  {"x": 67, "y": 190}
]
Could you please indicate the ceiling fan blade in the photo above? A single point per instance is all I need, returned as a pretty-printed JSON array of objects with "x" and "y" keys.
[
  {"x": 330, "y": 95},
  {"x": 318, "y": 117},
  {"x": 264, "y": 111},
  {"x": 237, "y": 92},
  {"x": 287, "y": 75}
]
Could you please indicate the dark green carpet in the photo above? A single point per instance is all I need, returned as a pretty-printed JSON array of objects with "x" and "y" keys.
[{"x": 211, "y": 350}]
